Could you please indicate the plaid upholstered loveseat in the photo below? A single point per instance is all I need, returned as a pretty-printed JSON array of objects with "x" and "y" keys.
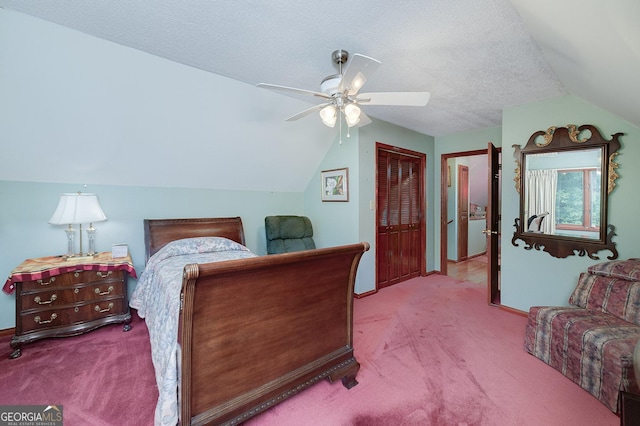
[{"x": 593, "y": 340}]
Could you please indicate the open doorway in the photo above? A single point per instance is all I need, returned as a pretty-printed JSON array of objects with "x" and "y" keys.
[{"x": 470, "y": 203}]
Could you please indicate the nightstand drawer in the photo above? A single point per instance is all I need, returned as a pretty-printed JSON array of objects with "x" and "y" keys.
[
  {"x": 60, "y": 297},
  {"x": 51, "y": 318},
  {"x": 72, "y": 278}
]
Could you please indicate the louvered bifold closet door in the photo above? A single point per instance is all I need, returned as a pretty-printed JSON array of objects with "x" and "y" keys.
[
  {"x": 410, "y": 218},
  {"x": 383, "y": 226},
  {"x": 398, "y": 218}
]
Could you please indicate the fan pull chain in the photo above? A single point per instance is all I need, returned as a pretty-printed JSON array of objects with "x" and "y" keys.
[{"x": 340, "y": 123}]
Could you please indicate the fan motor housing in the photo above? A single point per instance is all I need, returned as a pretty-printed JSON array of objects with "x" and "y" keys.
[{"x": 330, "y": 85}]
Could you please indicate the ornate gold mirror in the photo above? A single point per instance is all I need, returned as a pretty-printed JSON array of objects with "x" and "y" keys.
[{"x": 564, "y": 176}]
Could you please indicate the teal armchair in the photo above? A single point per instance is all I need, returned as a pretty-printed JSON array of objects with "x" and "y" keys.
[{"x": 288, "y": 233}]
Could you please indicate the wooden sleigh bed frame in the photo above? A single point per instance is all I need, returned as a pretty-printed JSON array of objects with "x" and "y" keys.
[{"x": 256, "y": 331}]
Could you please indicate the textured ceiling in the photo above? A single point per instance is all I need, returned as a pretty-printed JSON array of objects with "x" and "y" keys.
[{"x": 475, "y": 57}]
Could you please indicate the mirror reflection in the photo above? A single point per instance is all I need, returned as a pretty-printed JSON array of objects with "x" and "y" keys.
[
  {"x": 563, "y": 192},
  {"x": 564, "y": 176}
]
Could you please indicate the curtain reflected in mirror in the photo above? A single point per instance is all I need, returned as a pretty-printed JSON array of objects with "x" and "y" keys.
[{"x": 540, "y": 200}]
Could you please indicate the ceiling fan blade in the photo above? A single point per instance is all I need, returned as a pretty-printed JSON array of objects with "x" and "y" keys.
[
  {"x": 353, "y": 77},
  {"x": 307, "y": 112},
  {"x": 292, "y": 90},
  {"x": 364, "y": 120},
  {"x": 394, "y": 98}
]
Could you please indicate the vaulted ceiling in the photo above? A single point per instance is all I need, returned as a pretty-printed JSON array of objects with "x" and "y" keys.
[{"x": 475, "y": 57}]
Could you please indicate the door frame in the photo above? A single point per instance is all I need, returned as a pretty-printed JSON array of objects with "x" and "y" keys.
[
  {"x": 462, "y": 236},
  {"x": 444, "y": 197},
  {"x": 493, "y": 215}
]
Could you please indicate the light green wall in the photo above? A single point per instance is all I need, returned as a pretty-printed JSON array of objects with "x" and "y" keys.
[
  {"x": 27, "y": 208},
  {"x": 333, "y": 222},
  {"x": 346, "y": 223},
  {"x": 553, "y": 279},
  {"x": 531, "y": 277},
  {"x": 336, "y": 223}
]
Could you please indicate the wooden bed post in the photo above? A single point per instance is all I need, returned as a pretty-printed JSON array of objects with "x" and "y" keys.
[{"x": 190, "y": 276}]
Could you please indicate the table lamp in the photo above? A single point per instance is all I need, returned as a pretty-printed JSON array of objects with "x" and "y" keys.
[{"x": 76, "y": 209}]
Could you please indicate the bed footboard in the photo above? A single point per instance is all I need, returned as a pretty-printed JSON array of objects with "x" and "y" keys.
[{"x": 256, "y": 331}]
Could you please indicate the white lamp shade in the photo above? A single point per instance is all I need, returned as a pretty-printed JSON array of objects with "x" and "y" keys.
[
  {"x": 352, "y": 114},
  {"x": 328, "y": 115},
  {"x": 77, "y": 208}
]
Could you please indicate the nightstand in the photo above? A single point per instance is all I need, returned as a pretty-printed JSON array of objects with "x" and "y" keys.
[{"x": 58, "y": 297}]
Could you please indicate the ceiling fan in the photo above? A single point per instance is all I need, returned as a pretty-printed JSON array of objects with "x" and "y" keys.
[{"x": 341, "y": 92}]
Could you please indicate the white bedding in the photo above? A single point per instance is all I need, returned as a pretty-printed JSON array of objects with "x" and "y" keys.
[{"x": 157, "y": 299}]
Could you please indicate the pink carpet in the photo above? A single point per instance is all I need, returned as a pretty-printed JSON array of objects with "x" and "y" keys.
[
  {"x": 101, "y": 378},
  {"x": 432, "y": 353}
]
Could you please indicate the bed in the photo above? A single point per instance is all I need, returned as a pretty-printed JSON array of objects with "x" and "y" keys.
[{"x": 238, "y": 333}]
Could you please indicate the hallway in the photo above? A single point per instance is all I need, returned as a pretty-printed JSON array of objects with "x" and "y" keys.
[{"x": 473, "y": 270}]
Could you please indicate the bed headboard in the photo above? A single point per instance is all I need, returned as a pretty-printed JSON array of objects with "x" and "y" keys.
[{"x": 159, "y": 232}]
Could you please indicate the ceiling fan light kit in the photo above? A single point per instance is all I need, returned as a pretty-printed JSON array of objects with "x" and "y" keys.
[{"x": 341, "y": 92}]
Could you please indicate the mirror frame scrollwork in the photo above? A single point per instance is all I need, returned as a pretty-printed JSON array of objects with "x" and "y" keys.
[{"x": 561, "y": 139}]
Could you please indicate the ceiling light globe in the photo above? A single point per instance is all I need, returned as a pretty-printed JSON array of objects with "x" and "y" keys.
[
  {"x": 352, "y": 111},
  {"x": 352, "y": 122},
  {"x": 352, "y": 114},
  {"x": 328, "y": 115}
]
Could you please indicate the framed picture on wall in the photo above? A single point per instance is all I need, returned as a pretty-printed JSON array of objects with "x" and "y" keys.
[{"x": 335, "y": 185}]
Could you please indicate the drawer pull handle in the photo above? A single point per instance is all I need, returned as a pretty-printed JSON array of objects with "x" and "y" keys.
[
  {"x": 101, "y": 275},
  {"x": 98, "y": 309},
  {"x": 39, "y": 320},
  {"x": 109, "y": 290},
  {"x": 47, "y": 282},
  {"x": 45, "y": 302}
]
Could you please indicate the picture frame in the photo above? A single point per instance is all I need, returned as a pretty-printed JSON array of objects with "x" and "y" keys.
[{"x": 334, "y": 185}]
